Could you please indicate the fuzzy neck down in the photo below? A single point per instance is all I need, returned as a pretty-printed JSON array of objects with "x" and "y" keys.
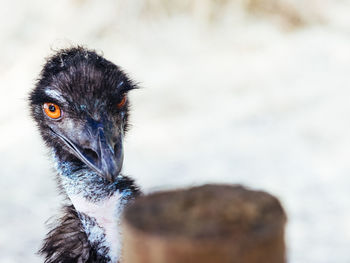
[{"x": 99, "y": 205}]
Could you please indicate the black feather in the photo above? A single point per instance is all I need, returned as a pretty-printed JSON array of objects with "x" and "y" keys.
[{"x": 67, "y": 241}]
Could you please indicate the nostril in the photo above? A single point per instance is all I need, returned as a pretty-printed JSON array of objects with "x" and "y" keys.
[
  {"x": 117, "y": 148},
  {"x": 91, "y": 155}
]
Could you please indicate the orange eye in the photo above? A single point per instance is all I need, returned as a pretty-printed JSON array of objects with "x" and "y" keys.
[
  {"x": 52, "y": 110},
  {"x": 122, "y": 102}
]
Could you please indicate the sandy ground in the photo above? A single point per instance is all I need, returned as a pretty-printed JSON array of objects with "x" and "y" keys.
[{"x": 236, "y": 101}]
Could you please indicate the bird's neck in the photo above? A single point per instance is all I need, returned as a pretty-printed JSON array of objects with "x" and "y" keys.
[
  {"x": 99, "y": 204},
  {"x": 101, "y": 222}
]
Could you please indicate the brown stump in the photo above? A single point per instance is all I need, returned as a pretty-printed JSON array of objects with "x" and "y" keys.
[{"x": 211, "y": 223}]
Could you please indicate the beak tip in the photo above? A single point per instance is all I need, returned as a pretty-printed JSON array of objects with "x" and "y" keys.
[{"x": 111, "y": 172}]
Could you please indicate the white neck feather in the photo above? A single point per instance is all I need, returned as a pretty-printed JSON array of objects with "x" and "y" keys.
[{"x": 107, "y": 214}]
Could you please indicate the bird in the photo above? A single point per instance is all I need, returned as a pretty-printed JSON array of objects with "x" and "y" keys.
[{"x": 81, "y": 106}]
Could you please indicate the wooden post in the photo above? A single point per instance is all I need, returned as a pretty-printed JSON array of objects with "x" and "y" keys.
[{"x": 210, "y": 223}]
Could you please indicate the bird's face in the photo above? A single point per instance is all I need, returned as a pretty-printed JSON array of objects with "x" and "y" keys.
[
  {"x": 93, "y": 135},
  {"x": 81, "y": 107}
]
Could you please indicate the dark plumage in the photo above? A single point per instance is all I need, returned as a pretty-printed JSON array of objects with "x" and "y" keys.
[{"x": 81, "y": 108}]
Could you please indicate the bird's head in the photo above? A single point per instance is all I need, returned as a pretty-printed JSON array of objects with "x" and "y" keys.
[{"x": 80, "y": 105}]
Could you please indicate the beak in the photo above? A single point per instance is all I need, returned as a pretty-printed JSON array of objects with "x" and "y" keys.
[{"x": 98, "y": 152}]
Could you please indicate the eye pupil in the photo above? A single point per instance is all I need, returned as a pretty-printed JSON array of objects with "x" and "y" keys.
[{"x": 52, "y": 108}]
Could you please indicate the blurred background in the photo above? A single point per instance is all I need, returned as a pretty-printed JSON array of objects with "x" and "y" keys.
[{"x": 238, "y": 91}]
